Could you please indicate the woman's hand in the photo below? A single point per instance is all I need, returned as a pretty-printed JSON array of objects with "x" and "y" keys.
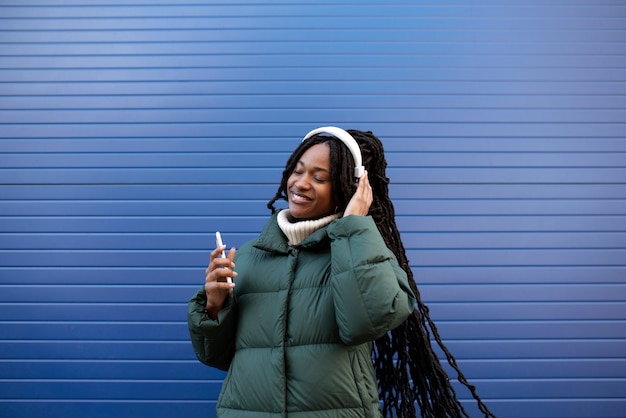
[
  {"x": 362, "y": 199},
  {"x": 216, "y": 285}
]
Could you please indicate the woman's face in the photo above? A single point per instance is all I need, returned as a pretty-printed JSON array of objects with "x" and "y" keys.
[{"x": 309, "y": 186}]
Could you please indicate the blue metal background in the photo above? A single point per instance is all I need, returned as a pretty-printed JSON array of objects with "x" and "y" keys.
[{"x": 130, "y": 131}]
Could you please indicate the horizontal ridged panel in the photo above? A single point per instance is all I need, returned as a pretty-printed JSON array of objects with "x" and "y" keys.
[
  {"x": 557, "y": 240},
  {"x": 129, "y": 132}
]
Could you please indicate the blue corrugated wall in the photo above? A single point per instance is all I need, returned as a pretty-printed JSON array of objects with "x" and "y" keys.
[{"x": 130, "y": 131}]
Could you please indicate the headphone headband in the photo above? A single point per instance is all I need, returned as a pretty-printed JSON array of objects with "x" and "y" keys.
[{"x": 348, "y": 140}]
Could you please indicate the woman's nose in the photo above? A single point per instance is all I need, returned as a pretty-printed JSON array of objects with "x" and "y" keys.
[{"x": 302, "y": 182}]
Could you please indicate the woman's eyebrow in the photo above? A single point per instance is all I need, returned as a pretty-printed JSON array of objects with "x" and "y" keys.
[{"x": 315, "y": 168}]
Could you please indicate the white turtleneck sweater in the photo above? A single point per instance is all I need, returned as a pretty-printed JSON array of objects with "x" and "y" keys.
[{"x": 299, "y": 230}]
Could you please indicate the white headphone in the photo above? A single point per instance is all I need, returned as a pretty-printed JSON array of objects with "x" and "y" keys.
[{"x": 347, "y": 139}]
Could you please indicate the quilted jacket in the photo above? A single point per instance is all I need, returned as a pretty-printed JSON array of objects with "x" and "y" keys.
[{"x": 296, "y": 336}]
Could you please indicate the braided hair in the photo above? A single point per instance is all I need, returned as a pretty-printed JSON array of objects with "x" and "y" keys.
[{"x": 408, "y": 370}]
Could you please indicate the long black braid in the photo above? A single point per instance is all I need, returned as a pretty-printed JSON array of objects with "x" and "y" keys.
[{"x": 408, "y": 370}]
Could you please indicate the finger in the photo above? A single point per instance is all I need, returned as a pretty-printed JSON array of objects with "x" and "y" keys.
[
  {"x": 217, "y": 251},
  {"x": 365, "y": 192},
  {"x": 219, "y": 285},
  {"x": 368, "y": 191},
  {"x": 364, "y": 182},
  {"x": 223, "y": 262},
  {"x": 219, "y": 262},
  {"x": 218, "y": 268},
  {"x": 225, "y": 281},
  {"x": 231, "y": 255},
  {"x": 225, "y": 275}
]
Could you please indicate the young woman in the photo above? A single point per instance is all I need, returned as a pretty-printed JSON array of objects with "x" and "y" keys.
[{"x": 323, "y": 318}]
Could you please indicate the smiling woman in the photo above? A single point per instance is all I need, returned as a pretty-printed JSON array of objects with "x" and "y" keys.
[{"x": 326, "y": 285}]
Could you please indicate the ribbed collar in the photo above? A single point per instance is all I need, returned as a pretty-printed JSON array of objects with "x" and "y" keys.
[{"x": 298, "y": 231}]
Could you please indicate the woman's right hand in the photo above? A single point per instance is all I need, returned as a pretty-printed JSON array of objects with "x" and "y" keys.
[
  {"x": 362, "y": 199},
  {"x": 216, "y": 285}
]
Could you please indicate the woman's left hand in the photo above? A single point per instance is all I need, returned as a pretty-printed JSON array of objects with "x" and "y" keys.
[{"x": 362, "y": 198}]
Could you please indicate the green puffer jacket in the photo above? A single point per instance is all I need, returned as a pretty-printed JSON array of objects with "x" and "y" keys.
[{"x": 296, "y": 335}]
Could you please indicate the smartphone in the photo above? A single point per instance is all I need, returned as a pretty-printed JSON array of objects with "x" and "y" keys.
[{"x": 218, "y": 244}]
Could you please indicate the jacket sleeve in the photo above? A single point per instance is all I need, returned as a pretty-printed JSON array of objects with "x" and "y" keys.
[
  {"x": 370, "y": 290},
  {"x": 213, "y": 341}
]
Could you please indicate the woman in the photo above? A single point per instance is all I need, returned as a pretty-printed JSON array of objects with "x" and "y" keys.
[{"x": 316, "y": 294}]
